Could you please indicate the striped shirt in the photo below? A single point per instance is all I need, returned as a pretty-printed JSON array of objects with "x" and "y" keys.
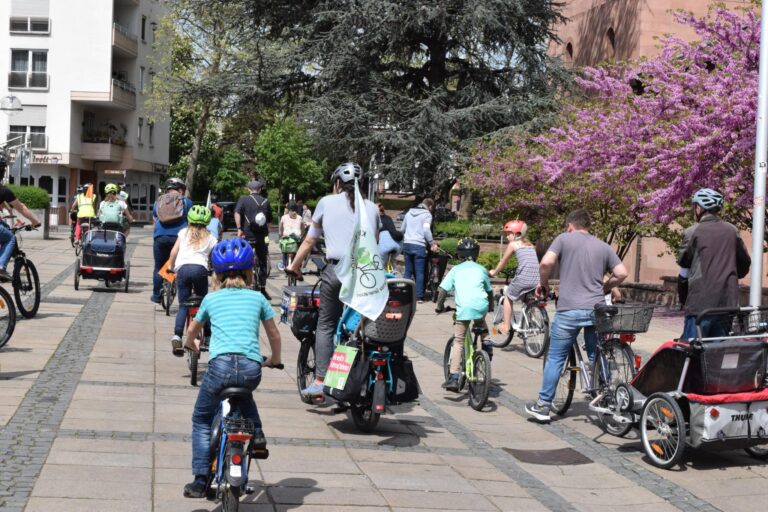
[{"x": 235, "y": 314}]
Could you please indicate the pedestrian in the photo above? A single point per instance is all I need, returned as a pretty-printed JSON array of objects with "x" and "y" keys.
[
  {"x": 169, "y": 214},
  {"x": 716, "y": 258},
  {"x": 389, "y": 238},
  {"x": 306, "y": 215},
  {"x": 334, "y": 219},
  {"x": 418, "y": 238},
  {"x": 583, "y": 260},
  {"x": 253, "y": 214}
]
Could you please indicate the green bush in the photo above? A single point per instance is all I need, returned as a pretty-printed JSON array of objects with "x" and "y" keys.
[
  {"x": 453, "y": 228},
  {"x": 33, "y": 197},
  {"x": 489, "y": 259},
  {"x": 449, "y": 245},
  {"x": 397, "y": 204}
]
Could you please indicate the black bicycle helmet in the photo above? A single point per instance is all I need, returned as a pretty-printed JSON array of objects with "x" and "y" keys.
[
  {"x": 468, "y": 249},
  {"x": 174, "y": 184},
  {"x": 347, "y": 172}
]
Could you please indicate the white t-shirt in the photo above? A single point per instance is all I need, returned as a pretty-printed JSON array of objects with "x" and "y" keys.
[
  {"x": 189, "y": 256},
  {"x": 291, "y": 226},
  {"x": 338, "y": 221}
]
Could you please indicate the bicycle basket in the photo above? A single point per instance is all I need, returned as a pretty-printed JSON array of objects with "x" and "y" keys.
[
  {"x": 627, "y": 319},
  {"x": 288, "y": 245},
  {"x": 239, "y": 425}
]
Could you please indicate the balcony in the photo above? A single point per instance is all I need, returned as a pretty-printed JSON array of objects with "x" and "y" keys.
[
  {"x": 99, "y": 146},
  {"x": 28, "y": 80},
  {"x": 37, "y": 141},
  {"x": 124, "y": 43},
  {"x": 122, "y": 95}
]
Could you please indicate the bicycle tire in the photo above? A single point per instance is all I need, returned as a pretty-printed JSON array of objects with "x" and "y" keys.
[
  {"x": 230, "y": 500},
  {"x": 480, "y": 385},
  {"x": 614, "y": 364},
  {"x": 535, "y": 318},
  {"x": 495, "y": 318},
  {"x": 127, "y": 276},
  {"x": 566, "y": 384},
  {"x": 757, "y": 452},
  {"x": 192, "y": 362},
  {"x": 364, "y": 418},
  {"x": 26, "y": 279},
  {"x": 78, "y": 248},
  {"x": 662, "y": 410},
  {"x": 305, "y": 369},
  {"x": 7, "y": 317},
  {"x": 447, "y": 358}
]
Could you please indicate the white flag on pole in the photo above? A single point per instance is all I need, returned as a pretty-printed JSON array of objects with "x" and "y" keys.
[
  {"x": 361, "y": 272},
  {"x": 208, "y": 201}
]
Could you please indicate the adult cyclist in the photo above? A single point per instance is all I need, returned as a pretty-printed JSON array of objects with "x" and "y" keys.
[
  {"x": 253, "y": 214},
  {"x": 85, "y": 207},
  {"x": 334, "y": 219}
]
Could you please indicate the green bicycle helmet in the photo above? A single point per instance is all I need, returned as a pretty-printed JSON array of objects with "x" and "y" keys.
[
  {"x": 199, "y": 215},
  {"x": 111, "y": 188}
]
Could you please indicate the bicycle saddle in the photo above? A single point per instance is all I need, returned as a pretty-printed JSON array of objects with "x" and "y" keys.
[
  {"x": 605, "y": 309},
  {"x": 235, "y": 393},
  {"x": 193, "y": 301},
  {"x": 478, "y": 329}
]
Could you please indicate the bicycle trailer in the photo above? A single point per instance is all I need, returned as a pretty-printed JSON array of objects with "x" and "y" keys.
[{"x": 103, "y": 258}]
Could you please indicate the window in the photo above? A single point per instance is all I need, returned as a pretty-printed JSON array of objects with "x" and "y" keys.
[
  {"x": 30, "y": 25},
  {"x": 151, "y": 81},
  {"x": 144, "y": 28},
  {"x": 143, "y": 198},
  {"x": 46, "y": 183},
  {"x": 62, "y": 190},
  {"x": 154, "y": 31},
  {"x": 34, "y": 135},
  {"x": 141, "y": 79},
  {"x": 138, "y": 134},
  {"x": 29, "y": 69},
  {"x": 151, "y": 127},
  {"x": 152, "y": 194}
]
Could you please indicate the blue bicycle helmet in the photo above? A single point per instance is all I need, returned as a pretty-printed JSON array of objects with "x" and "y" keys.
[
  {"x": 232, "y": 254},
  {"x": 708, "y": 199}
]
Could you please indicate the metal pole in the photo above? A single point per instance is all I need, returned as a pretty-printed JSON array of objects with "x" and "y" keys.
[{"x": 761, "y": 155}]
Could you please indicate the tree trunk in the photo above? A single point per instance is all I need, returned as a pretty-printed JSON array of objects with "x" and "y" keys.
[
  {"x": 465, "y": 208},
  {"x": 197, "y": 143}
]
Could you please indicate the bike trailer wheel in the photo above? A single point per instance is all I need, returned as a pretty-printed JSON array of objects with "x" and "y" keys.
[
  {"x": 566, "y": 385},
  {"x": 26, "y": 287},
  {"x": 662, "y": 430},
  {"x": 480, "y": 381},
  {"x": 757, "y": 452}
]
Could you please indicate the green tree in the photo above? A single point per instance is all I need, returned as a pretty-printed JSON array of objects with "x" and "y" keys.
[
  {"x": 229, "y": 180},
  {"x": 285, "y": 159}
]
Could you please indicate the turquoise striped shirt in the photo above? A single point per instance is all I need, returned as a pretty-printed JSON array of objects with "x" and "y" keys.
[{"x": 235, "y": 314}]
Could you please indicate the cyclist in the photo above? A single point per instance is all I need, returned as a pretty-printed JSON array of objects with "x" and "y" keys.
[
  {"x": 170, "y": 216},
  {"x": 473, "y": 296},
  {"x": 527, "y": 271},
  {"x": 85, "y": 206},
  {"x": 73, "y": 213},
  {"x": 716, "y": 257},
  {"x": 290, "y": 226},
  {"x": 189, "y": 260},
  {"x": 418, "y": 235},
  {"x": 389, "y": 238},
  {"x": 123, "y": 196},
  {"x": 583, "y": 260},
  {"x": 335, "y": 220},
  {"x": 7, "y": 238},
  {"x": 253, "y": 214},
  {"x": 234, "y": 312},
  {"x": 112, "y": 210}
]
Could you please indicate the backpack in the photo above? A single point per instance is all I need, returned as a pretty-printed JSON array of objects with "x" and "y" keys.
[
  {"x": 261, "y": 207},
  {"x": 170, "y": 208},
  {"x": 111, "y": 213}
]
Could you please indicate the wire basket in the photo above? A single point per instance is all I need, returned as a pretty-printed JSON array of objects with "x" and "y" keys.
[
  {"x": 743, "y": 323},
  {"x": 239, "y": 425},
  {"x": 629, "y": 319}
]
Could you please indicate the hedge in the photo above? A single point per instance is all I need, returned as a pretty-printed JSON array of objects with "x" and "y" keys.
[
  {"x": 489, "y": 259},
  {"x": 397, "y": 204},
  {"x": 33, "y": 197}
]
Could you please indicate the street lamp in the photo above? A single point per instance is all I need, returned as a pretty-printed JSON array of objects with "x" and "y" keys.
[{"x": 10, "y": 105}]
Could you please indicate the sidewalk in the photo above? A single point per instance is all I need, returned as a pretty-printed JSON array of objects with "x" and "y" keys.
[{"x": 96, "y": 415}]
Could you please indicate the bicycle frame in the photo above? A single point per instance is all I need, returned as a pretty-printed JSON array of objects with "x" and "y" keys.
[
  {"x": 469, "y": 353},
  {"x": 236, "y": 474}
]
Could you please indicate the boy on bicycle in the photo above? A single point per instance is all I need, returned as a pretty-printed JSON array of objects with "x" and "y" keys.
[
  {"x": 235, "y": 312},
  {"x": 473, "y": 295}
]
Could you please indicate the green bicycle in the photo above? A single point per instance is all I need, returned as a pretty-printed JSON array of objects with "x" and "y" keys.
[{"x": 475, "y": 374}]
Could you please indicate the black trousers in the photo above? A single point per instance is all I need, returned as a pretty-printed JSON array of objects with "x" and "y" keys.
[{"x": 260, "y": 248}]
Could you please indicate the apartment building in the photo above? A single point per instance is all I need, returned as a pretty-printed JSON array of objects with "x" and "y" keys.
[{"x": 83, "y": 72}]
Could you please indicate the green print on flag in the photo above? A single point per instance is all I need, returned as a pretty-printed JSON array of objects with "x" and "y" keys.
[{"x": 340, "y": 366}]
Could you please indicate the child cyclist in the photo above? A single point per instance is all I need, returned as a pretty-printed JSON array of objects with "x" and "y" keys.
[
  {"x": 527, "y": 274},
  {"x": 473, "y": 295},
  {"x": 189, "y": 260},
  {"x": 235, "y": 312}
]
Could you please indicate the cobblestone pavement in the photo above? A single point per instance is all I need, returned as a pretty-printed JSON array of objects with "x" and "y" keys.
[{"x": 95, "y": 415}]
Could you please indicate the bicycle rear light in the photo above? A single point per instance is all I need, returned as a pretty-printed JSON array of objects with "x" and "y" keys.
[
  {"x": 714, "y": 413},
  {"x": 237, "y": 459},
  {"x": 627, "y": 338},
  {"x": 638, "y": 361},
  {"x": 239, "y": 437}
]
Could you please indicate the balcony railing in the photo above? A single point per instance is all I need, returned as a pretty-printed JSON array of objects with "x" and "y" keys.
[
  {"x": 125, "y": 31},
  {"x": 126, "y": 86},
  {"x": 38, "y": 141},
  {"x": 27, "y": 80}
]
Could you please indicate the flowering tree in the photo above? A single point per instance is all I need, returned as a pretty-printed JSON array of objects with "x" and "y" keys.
[{"x": 643, "y": 137}]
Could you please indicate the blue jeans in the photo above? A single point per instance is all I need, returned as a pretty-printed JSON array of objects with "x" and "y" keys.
[
  {"x": 715, "y": 326},
  {"x": 189, "y": 278},
  {"x": 162, "y": 251},
  {"x": 8, "y": 242},
  {"x": 227, "y": 370},
  {"x": 415, "y": 258},
  {"x": 565, "y": 327}
]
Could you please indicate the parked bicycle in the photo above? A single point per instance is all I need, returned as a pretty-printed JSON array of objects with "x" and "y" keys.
[
  {"x": 234, "y": 443},
  {"x": 530, "y": 322},
  {"x": 614, "y": 363},
  {"x": 26, "y": 282},
  {"x": 475, "y": 374},
  {"x": 437, "y": 261}
]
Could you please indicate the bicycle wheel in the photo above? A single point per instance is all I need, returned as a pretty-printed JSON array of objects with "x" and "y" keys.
[
  {"x": 614, "y": 364},
  {"x": 535, "y": 330},
  {"x": 77, "y": 275},
  {"x": 26, "y": 287},
  {"x": 230, "y": 500},
  {"x": 662, "y": 430},
  {"x": 192, "y": 360},
  {"x": 7, "y": 317},
  {"x": 494, "y": 319},
  {"x": 170, "y": 294},
  {"x": 305, "y": 368},
  {"x": 447, "y": 358},
  {"x": 434, "y": 284},
  {"x": 566, "y": 384},
  {"x": 364, "y": 418},
  {"x": 480, "y": 383},
  {"x": 78, "y": 247},
  {"x": 127, "y": 276}
]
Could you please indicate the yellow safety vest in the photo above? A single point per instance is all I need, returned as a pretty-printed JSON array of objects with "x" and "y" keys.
[{"x": 85, "y": 206}]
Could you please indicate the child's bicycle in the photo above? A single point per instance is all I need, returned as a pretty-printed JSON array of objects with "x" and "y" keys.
[
  {"x": 475, "y": 374},
  {"x": 168, "y": 291},
  {"x": 234, "y": 442},
  {"x": 437, "y": 261},
  {"x": 193, "y": 358}
]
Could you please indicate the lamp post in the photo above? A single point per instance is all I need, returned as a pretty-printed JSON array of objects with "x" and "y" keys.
[{"x": 10, "y": 105}]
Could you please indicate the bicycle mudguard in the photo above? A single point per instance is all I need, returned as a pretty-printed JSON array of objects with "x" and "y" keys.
[{"x": 235, "y": 464}]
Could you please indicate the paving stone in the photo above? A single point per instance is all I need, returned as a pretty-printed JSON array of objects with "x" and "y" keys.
[{"x": 436, "y": 500}]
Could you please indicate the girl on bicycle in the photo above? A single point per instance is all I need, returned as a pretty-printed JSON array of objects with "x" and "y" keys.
[
  {"x": 527, "y": 272},
  {"x": 290, "y": 226},
  {"x": 189, "y": 260},
  {"x": 235, "y": 312}
]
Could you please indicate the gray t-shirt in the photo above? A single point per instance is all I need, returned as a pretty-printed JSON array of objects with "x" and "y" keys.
[
  {"x": 584, "y": 260},
  {"x": 338, "y": 221}
]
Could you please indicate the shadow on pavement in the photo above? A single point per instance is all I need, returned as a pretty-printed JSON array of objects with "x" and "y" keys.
[
  {"x": 14, "y": 375},
  {"x": 288, "y": 493}
]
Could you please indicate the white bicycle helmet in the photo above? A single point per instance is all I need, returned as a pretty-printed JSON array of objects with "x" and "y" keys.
[
  {"x": 260, "y": 219},
  {"x": 708, "y": 199},
  {"x": 347, "y": 172}
]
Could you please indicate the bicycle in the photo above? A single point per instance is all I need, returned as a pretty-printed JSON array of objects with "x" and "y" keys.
[
  {"x": 530, "y": 323},
  {"x": 614, "y": 363},
  {"x": 193, "y": 358},
  {"x": 475, "y": 374},
  {"x": 437, "y": 260},
  {"x": 85, "y": 225},
  {"x": 25, "y": 281},
  {"x": 389, "y": 263},
  {"x": 167, "y": 294},
  {"x": 268, "y": 267},
  {"x": 7, "y": 317},
  {"x": 235, "y": 441},
  {"x": 288, "y": 247}
]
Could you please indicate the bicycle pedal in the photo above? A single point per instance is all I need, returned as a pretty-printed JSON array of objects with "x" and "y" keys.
[
  {"x": 249, "y": 489},
  {"x": 262, "y": 453}
]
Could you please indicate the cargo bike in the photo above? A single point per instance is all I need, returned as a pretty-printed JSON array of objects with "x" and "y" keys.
[
  {"x": 707, "y": 393},
  {"x": 103, "y": 257}
]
